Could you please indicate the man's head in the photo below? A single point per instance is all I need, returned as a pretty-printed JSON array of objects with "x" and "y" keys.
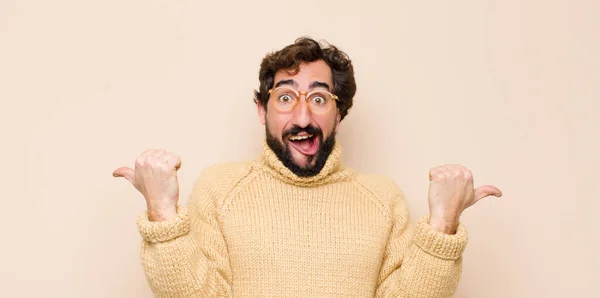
[{"x": 305, "y": 91}]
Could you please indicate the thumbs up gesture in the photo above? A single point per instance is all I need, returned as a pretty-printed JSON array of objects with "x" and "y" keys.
[
  {"x": 155, "y": 177},
  {"x": 451, "y": 191}
]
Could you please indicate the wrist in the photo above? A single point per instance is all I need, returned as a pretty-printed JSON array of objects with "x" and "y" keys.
[
  {"x": 162, "y": 214},
  {"x": 444, "y": 224}
]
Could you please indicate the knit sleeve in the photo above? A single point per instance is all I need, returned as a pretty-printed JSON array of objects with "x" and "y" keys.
[
  {"x": 187, "y": 256},
  {"x": 420, "y": 262}
]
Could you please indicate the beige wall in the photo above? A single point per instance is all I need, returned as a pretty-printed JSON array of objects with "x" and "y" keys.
[{"x": 507, "y": 88}]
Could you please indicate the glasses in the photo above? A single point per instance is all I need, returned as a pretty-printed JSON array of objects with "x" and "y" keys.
[{"x": 285, "y": 99}]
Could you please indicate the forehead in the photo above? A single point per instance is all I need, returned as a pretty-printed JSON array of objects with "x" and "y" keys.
[{"x": 307, "y": 74}]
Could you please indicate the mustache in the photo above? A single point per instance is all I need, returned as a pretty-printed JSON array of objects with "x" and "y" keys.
[{"x": 294, "y": 130}]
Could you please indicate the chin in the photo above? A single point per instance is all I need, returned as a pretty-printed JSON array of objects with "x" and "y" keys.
[
  {"x": 299, "y": 163},
  {"x": 303, "y": 162}
]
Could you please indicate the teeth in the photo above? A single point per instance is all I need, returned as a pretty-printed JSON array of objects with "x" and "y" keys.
[{"x": 298, "y": 138}]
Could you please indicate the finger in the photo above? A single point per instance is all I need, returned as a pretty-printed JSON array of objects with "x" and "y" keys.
[
  {"x": 159, "y": 154},
  {"x": 172, "y": 160},
  {"x": 155, "y": 156},
  {"x": 165, "y": 157},
  {"x": 147, "y": 153},
  {"x": 486, "y": 191},
  {"x": 126, "y": 173},
  {"x": 451, "y": 171},
  {"x": 456, "y": 170},
  {"x": 141, "y": 160},
  {"x": 148, "y": 157},
  {"x": 441, "y": 172},
  {"x": 434, "y": 172},
  {"x": 467, "y": 174},
  {"x": 177, "y": 162}
]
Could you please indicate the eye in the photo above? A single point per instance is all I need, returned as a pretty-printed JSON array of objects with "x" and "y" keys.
[
  {"x": 285, "y": 98},
  {"x": 319, "y": 100}
]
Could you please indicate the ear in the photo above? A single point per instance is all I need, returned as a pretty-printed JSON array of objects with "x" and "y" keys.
[
  {"x": 338, "y": 119},
  {"x": 262, "y": 112}
]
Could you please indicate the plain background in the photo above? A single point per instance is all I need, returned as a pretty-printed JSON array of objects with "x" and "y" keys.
[{"x": 507, "y": 88}]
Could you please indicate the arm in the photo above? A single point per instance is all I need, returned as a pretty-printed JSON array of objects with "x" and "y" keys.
[
  {"x": 430, "y": 265},
  {"x": 187, "y": 256},
  {"x": 422, "y": 262},
  {"x": 183, "y": 251}
]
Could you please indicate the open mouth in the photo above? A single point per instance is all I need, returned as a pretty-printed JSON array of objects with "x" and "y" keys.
[{"x": 307, "y": 144}]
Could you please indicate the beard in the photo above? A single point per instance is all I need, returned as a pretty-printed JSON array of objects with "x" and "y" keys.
[{"x": 315, "y": 163}]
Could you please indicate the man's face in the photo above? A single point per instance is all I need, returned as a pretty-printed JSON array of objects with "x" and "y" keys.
[{"x": 300, "y": 138}]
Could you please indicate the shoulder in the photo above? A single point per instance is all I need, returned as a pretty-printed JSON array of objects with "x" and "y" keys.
[
  {"x": 384, "y": 191},
  {"x": 380, "y": 186},
  {"x": 216, "y": 181},
  {"x": 225, "y": 173}
]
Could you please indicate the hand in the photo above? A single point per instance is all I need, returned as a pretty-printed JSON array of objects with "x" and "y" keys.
[
  {"x": 155, "y": 177},
  {"x": 450, "y": 193}
]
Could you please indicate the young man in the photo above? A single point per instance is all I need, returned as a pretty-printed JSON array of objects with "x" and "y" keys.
[{"x": 295, "y": 221}]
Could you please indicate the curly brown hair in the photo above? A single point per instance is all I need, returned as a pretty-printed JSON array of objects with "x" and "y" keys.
[{"x": 304, "y": 50}]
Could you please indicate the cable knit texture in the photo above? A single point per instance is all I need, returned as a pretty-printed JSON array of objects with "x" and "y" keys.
[{"x": 255, "y": 229}]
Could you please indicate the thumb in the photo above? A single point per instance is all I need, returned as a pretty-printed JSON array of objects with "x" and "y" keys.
[
  {"x": 486, "y": 191},
  {"x": 125, "y": 172}
]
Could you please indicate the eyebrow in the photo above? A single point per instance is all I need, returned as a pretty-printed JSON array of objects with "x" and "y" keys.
[
  {"x": 286, "y": 82},
  {"x": 312, "y": 85},
  {"x": 316, "y": 84}
]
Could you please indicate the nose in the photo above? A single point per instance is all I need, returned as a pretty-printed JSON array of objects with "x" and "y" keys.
[{"x": 301, "y": 114}]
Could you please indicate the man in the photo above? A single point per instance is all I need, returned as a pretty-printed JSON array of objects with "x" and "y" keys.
[{"x": 295, "y": 221}]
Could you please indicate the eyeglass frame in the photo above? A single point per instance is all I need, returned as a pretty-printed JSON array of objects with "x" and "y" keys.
[{"x": 305, "y": 93}]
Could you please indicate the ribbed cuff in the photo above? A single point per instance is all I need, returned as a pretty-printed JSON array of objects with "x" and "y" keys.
[
  {"x": 161, "y": 231},
  {"x": 441, "y": 245}
]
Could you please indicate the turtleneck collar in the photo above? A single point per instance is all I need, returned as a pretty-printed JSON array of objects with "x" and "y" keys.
[{"x": 332, "y": 171}]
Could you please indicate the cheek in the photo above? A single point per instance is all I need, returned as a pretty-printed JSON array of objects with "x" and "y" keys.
[
  {"x": 327, "y": 125},
  {"x": 277, "y": 123}
]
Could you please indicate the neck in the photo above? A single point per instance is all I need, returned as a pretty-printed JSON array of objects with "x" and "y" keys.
[{"x": 332, "y": 170}]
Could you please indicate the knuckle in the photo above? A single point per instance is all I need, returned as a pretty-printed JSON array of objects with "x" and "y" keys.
[
  {"x": 468, "y": 175},
  {"x": 157, "y": 163},
  {"x": 457, "y": 172},
  {"x": 139, "y": 162},
  {"x": 151, "y": 163},
  {"x": 148, "y": 152},
  {"x": 173, "y": 157}
]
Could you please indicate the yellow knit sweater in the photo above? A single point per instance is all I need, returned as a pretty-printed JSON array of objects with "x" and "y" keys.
[{"x": 257, "y": 230}]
